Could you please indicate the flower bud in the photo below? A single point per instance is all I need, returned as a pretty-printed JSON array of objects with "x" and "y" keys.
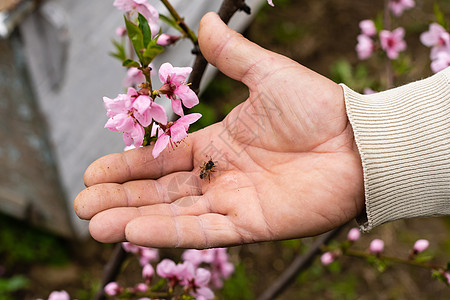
[
  {"x": 327, "y": 258},
  {"x": 376, "y": 246},
  {"x": 121, "y": 31},
  {"x": 113, "y": 289},
  {"x": 353, "y": 235},
  {"x": 140, "y": 288},
  {"x": 148, "y": 272},
  {"x": 167, "y": 39},
  {"x": 368, "y": 27},
  {"x": 420, "y": 245},
  {"x": 59, "y": 295}
]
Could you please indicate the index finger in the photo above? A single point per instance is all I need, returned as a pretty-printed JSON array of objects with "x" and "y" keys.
[{"x": 139, "y": 164}]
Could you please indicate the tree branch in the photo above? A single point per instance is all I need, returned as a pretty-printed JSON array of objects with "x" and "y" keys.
[
  {"x": 301, "y": 263},
  {"x": 111, "y": 270},
  {"x": 226, "y": 11}
]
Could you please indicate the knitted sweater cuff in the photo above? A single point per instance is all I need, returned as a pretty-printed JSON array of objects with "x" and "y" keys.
[{"x": 403, "y": 137}]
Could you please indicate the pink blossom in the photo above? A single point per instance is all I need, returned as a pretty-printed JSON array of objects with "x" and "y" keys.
[
  {"x": 174, "y": 132},
  {"x": 59, "y": 295},
  {"x": 134, "y": 77},
  {"x": 167, "y": 39},
  {"x": 166, "y": 268},
  {"x": 197, "y": 279},
  {"x": 129, "y": 247},
  {"x": 437, "y": 38},
  {"x": 421, "y": 245},
  {"x": 327, "y": 258},
  {"x": 221, "y": 268},
  {"x": 176, "y": 88},
  {"x": 147, "y": 255},
  {"x": 376, "y": 246},
  {"x": 353, "y": 234},
  {"x": 447, "y": 276},
  {"x": 270, "y": 2},
  {"x": 142, "y": 7},
  {"x": 441, "y": 61},
  {"x": 196, "y": 257},
  {"x": 365, "y": 46},
  {"x": 434, "y": 36},
  {"x": 392, "y": 42},
  {"x": 121, "y": 31},
  {"x": 130, "y": 113},
  {"x": 140, "y": 288},
  {"x": 368, "y": 91},
  {"x": 148, "y": 272},
  {"x": 113, "y": 289},
  {"x": 368, "y": 27},
  {"x": 398, "y": 6},
  {"x": 217, "y": 258}
]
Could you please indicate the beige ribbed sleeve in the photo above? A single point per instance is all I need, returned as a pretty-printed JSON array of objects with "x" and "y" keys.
[{"x": 403, "y": 136}]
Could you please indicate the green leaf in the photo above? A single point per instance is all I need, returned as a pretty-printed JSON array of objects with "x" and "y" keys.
[
  {"x": 120, "y": 51},
  {"x": 171, "y": 22},
  {"x": 15, "y": 283},
  {"x": 130, "y": 63},
  {"x": 440, "y": 17},
  {"x": 440, "y": 276},
  {"x": 151, "y": 51},
  {"x": 145, "y": 29},
  {"x": 136, "y": 37}
]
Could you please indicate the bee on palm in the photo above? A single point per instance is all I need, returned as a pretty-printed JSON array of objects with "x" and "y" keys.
[{"x": 206, "y": 169}]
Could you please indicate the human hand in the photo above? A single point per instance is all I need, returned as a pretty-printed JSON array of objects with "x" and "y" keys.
[{"x": 286, "y": 163}]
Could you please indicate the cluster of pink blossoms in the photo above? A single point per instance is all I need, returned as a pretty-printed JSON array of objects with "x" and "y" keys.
[
  {"x": 376, "y": 248},
  {"x": 399, "y": 6},
  {"x": 131, "y": 113},
  {"x": 199, "y": 270},
  {"x": 142, "y": 7},
  {"x": 136, "y": 114},
  {"x": 390, "y": 41},
  {"x": 438, "y": 39}
]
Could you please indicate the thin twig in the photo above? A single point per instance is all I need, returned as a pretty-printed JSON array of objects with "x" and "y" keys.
[
  {"x": 180, "y": 21},
  {"x": 226, "y": 11},
  {"x": 111, "y": 270},
  {"x": 301, "y": 263},
  {"x": 387, "y": 25}
]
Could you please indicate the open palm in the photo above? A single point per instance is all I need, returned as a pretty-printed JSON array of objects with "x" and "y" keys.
[{"x": 286, "y": 164}]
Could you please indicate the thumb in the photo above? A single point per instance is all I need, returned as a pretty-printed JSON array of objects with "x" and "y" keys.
[{"x": 231, "y": 53}]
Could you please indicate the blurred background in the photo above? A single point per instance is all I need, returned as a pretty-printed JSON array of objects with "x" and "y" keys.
[{"x": 54, "y": 71}]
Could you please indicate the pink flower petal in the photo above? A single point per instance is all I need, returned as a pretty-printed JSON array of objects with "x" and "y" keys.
[
  {"x": 180, "y": 75},
  {"x": 177, "y": 132},
  {"x": 176, "y": 107},
  {"x": 188, "y": 119},
  {"x": 137, "y": 134},
  {"x": 160, "y": 145},
  {"x": 165, "y": 71},
  {"x": 166, "y": 268},
  {"x": 158, "y": 113},
  {"x": 188, "y": 96},
  {"x": 142, "y": 104},
  {"x": 368, "y": 27}
]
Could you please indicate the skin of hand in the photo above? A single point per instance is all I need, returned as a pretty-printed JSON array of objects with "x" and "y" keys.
[{"x": 286, "y": 163}]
